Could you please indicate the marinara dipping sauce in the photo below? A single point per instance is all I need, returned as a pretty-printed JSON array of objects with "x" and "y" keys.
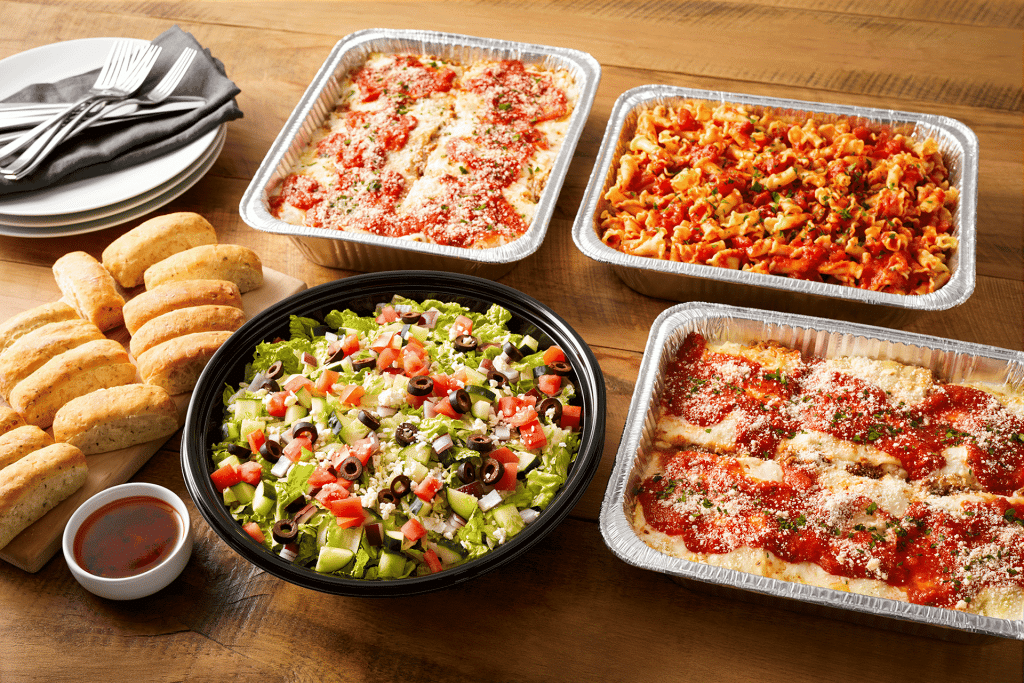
[{"x": 127, "y": 537}]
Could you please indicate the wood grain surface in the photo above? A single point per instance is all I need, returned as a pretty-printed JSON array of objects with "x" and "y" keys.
[{"x": 569, "y": 609}]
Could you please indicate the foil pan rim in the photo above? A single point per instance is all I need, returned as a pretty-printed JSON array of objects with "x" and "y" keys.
[
  {"x": 253, "y": 211},
  {"x": 955, "y": 292},
  {"x": 624, "y": 543}
]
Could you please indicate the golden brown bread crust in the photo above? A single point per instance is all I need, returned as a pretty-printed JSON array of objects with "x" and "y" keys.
[
  {"x": 26, "y": 321},
  {"x": 89, "y": 289},
  {"x": 9, "y": 419},
  {"x": 177, "y": 363},
  {"x": 78, "y": 371},
  {"x": 128, "y": 257},
  {"x": 175, "y": 295},
  {"x": 231, "y": 262},
  {"x": 35, "y": 484},
  {"x": 185, "y": 321},
  {"x": 17, "y": 443},
  {"x": 110, "y": 419},
  {"x": 32, "y": 350}
]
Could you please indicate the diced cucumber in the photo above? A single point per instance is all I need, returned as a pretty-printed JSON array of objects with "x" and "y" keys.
[
  {"x": 464, "y": 504},
  {"x": 393, "y": 539},
  {"x": 318, "y": 406},
  {"x": 250, "y": 425},
  {"x": 244, "y": 492},
  {"x": 230, "y": 460},
  {"x": 449, "y": 552},
  {"x": 392, "y": 565},
  {"x": 528, "y": 345},
  {"x": 263, "y": 499},
  {"x": 480, "y": 392},
  {"x": 349, "y": 538},
  {"x": 419, "y": 332},
  {"x": 248, "y": 408},
  {"x": 474, "y": 377},
  {"x": 527, "y": 461},
  {"x": 507, "y": 516},
  {"x": 481, "y": 409},
  {"x": 231, "y": 432},
  {"x": 420, "y": 507},
  {"x": 304, "y": 398},
  {"x": 419, "y": 471},
  {"x": 295, "y": 412},
  {"x": 417, "y": 452},
  {"x": 352, "y": 430},
  {"x": 333, "y": 559},
  {"x": 229, "y": 497}
]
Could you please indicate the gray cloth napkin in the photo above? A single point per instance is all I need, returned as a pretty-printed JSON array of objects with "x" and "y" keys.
[{"x": 97, "y": 151}]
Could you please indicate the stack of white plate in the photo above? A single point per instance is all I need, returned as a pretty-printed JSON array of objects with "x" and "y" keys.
[{"x": 103, "y": 201}]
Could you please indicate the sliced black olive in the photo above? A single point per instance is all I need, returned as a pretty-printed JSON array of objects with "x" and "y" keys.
[
  {"x": 350, "y": 468},
  {"x": 559, "y": 367},
  {"x": 285, "y": 531},
  {"x": 304, "y": 428},
  {"x": 495, "y": 376},
  {"x": 465, "y": 343},
  {"x": 271, "y": 450},
  {"x": 296, "y": 505},
  {"x": 272, "y": 385},
  {"x": 334, "y": 423},
  {"x": 459, "y": 400},
  {"x": 239, "y": 451},
  {"x": 492, "y": 471},
  {"x": 511, "y": 351},
  {"x": 368, "y": 419},
  {"x": 275, "y": 370},
  {"x": 386, "y": 496},
  {"x": 401, "y": 485},
  {"x": 405, "y": 434},
  {"x": 410, "y": 317},
  {"x": 480, "y": 443},
  {"x": 305, "y": 514},
  {"x": 550, "y": 409},
  {"x": 363, "y": 363},
  {"x": 421, "y": 385},
  {"x": 321, "y": 330},
  {"x": 466, "y": 471},
  {"x": 335, "y": 352}
]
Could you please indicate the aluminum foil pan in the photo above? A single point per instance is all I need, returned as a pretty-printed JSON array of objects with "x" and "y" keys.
[
  {"x": 681, "y": 281},
  {"x": 367, "y": 252},
  {"x": 950, "y": 360}
]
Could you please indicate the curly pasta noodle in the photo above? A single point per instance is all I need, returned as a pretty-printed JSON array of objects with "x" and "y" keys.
[{"x": 730, "y": 187}]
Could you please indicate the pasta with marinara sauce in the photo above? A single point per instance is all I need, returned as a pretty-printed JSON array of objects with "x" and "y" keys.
[{"x": 736, "y": 188}]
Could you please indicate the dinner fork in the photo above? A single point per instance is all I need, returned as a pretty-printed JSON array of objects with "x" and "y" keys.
[
  {"x": 27, "y": 163},
  {"x": 122, "y": 74}
]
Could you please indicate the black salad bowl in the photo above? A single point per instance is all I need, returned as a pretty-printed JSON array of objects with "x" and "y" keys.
[{"x": 362, "y": 293}]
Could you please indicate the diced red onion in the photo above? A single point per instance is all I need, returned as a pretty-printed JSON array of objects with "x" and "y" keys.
[
  {"x": 429, "y": 410},
  {"x": 489, "y": 501},
  {"x": 281, "y": 467},
  {"x": 429, "y": 318},
  {"x": 529, "y": 515},
  {"x": 502, "y": 432},
  {"x": 443, "y": 443}
]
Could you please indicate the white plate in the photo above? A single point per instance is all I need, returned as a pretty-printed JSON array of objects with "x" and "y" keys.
[
  {"x": 50, "y": 63},
  {"x": 116, "y": 219},
  {"x": 68, "y": 219}
]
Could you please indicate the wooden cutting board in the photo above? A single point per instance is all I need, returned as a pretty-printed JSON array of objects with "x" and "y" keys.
[{"x": 27, "y": 286}]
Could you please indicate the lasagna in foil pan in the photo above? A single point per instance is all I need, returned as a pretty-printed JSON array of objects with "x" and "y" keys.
[
  {"x": 387, "y": 116},
  {"x": 734, "y": 280},
  {"x": 867, "y": 474}
]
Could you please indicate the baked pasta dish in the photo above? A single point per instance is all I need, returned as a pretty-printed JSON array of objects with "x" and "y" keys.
[
  {"x": 433, "y": 150},
  {"x": 860, "y": 475},
  {"x": 736, "y": 188}
]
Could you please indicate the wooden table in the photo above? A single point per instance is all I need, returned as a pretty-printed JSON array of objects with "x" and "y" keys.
[{"x": 568, "y": 610}]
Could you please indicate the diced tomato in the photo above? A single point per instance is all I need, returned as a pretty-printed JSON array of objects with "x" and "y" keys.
[
  {"x": 293, "y": 451},
  {"x": 553, "y": 354},
  {"x": 525, "y": 414},
  {"x": 349, "y": 522},
  {"x": 250, "y": 472},
  {"x": 276, "y": 406},
  {"x": 415, "y": 401},
  {"x": 444, "y": 407},
  {"x": 256, "y": 440},
  {"x": 508, "y": 405},
  {"x": 428, "y": 488},
  {"x": 388, "y": 314},
  {"x": 325, "y": 381},
  {"x": 532, "y": 435},
  {"x": 413, "y": 530},
  {"x": 511, "y": 463},
  {"x": 570, "y": 417},
  {"x": 226, "y": 477},
  {"x": 351, "y": 394},
  {"x": 332, "y": 492},
  {"x": 386, "y": 358},
  {"x": 297, "y": 382},
  {"x": 549, "y": 384},
  {"x": 319, "y": 477},
  {"x": 462, "y": 325},
  {"x": 346, "y": 508},
  {"x": 254, "y": 530},
  {"x": 382, "y": 342},
  {"x": 415, "y": 360},
  {"x": 433, "y": 561},
  {"x": 442, "y": 384},
  {"x": 363, "y": 449},
  {"x": 350, "y": 344}
]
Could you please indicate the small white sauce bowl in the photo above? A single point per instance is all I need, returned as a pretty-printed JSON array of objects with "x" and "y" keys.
[{"x": 149, "y": 581}]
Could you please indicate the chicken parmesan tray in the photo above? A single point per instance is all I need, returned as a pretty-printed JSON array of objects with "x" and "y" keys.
[
  {"x": 413, "y": 148},
  {"x": 832, "y": 463},
  {"x": 732, "y": 197}
]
